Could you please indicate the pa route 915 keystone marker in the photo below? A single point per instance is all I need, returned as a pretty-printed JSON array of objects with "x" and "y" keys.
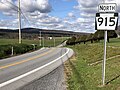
[
  {"x": 107, "y": 18},
  {"x": 106, "y": 21}
]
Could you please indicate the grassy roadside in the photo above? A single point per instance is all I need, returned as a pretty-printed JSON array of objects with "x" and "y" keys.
[
  {"x": 87, "y": 77},
  {"x": 113, "y": 42}
]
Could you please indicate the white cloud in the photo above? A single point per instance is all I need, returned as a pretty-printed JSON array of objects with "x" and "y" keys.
[
  {"x": 87, "y": 9},
  {"x": 88, "y": 3},
  {"x": 80, "y": 20},
  {"x": 88, "y": 6},
  {"x": 42, "y": 6},
  {"x": 114, "y": 1},
  {"x": 67, "y": 0},
  {"x": 71, "y": 14},
  {"x": 49, "y": 20},
  {"x": 5, "y": 5},
  {"x": 9, "y": 23}
]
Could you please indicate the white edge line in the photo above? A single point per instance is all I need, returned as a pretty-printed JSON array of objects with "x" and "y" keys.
[{"x": 28, "y": 73}]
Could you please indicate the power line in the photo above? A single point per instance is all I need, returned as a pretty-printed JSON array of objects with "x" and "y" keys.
[
  {"x": 16, "y": 9},
  {"x": 10, "y": 7},
  {"x": 20, "y": 11}
]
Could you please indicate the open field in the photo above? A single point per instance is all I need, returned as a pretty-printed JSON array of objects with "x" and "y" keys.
[
  {"x": 47, "y": 42},
  {"x": 88, "y": 76}
]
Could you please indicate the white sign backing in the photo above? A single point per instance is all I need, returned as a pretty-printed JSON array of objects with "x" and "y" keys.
[{"x": 106, "y": 21}]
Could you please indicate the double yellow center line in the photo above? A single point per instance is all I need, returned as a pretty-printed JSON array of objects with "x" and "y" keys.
[{"x": 26, "y": 60}]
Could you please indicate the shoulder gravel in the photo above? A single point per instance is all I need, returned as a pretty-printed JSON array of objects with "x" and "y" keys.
[{"x": 52, "y": 81}]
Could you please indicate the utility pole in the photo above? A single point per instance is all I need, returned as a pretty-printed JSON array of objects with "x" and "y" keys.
[
  {"x": 40, "y": 38},
  {"x": 12, "y": 51},
  {"x": 43, "y": 42},
  {"x": 54, "y": 41},
  {"x": 19, "y": 21}
]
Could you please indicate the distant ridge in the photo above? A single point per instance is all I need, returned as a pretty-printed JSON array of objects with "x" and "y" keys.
[{"x": 34, "y": 32}]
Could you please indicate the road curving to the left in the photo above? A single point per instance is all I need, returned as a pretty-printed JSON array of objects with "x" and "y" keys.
[{"x": 18, "y": 71}]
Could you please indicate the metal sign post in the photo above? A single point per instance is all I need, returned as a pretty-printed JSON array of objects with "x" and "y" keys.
[
  {"x": 104, "y": 60},
  {"x": 106, "y": 19}
]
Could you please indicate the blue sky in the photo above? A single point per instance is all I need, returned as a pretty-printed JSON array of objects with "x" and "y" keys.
[
  {"x": 61, "y": 7},
  {"x": 70, "y": 15}
]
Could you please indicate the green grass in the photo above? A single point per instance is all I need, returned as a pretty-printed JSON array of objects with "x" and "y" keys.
[
  {"x": 47, "y": 42},
  {"x": 113, "y": 42},
  {"x": 86, "y": 77}
]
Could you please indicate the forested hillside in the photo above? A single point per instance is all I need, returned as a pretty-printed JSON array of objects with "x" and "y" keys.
[{"x": 33, "y": 33}]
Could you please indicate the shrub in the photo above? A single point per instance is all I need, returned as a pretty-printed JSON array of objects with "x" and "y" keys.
[
  {"x": 6, "y": 50},
  {"x": 90, "y": 37},
  {"x": 71, "y": 41}
]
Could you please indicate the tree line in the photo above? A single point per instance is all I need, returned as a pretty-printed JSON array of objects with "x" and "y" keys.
[
  {"x": 34, "y": 33},
  {"x": 96, "y": 37}
]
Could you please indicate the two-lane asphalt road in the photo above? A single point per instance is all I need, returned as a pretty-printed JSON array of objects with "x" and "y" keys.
[{"x": 18, "y": 71}]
